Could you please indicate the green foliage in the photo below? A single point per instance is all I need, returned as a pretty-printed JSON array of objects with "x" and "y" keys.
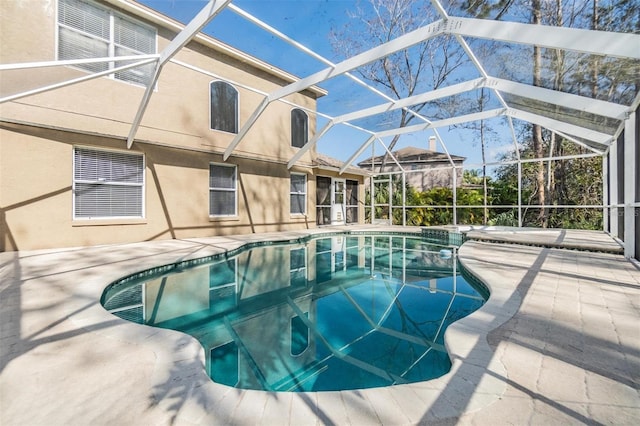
[
  {"x": 570, "y": 182},
  {"x": 508, "y": 218},
  {"x": 549, "y": 192},
  {"x": 428, "y": 208},
  {"x": 573, "y": 182}
]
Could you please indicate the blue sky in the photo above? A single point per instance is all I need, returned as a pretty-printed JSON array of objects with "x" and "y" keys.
[{"x": 310, "y": 23}]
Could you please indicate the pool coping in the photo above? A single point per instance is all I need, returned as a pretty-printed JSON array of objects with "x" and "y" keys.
[
  {"x": 186, "y": 395},
  {"x": 448, "y": 395}
]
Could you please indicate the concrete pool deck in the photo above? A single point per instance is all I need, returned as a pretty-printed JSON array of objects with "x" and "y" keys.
[{"x": 558, "y": 342}]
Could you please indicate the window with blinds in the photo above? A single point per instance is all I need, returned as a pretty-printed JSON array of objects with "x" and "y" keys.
[
  {"x": 224, "y": 107},
  {"x": 299, "y": 128},
  {"x": 298, "y": 195},
  {"x": 107, "y": 184},
  {"x": 87, "y": 30},
  {"x": 222, "y": 190}
]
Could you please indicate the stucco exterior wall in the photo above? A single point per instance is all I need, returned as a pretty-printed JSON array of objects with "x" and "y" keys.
[
  {"x": 178, "y": 112},
  {"x": 38, "y": 134},
  {"x": 427, "y": 176},
  {"x": 36, "y": 172},
  {"x": 425, "y": 180}
]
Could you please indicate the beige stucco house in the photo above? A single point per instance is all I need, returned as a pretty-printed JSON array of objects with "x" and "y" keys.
[
  {"x": 68, "y": 176},
  {"x": 424, "y": 168}
]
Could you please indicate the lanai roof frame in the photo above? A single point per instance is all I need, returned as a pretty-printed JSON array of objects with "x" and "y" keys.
[
  {"x": 601, "y": 43},
  {"x": 592, "y": 42}
]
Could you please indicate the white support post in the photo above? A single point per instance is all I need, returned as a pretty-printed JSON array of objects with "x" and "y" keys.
[
  {"x": 189, "y": 32},
  {"x": 630, "y": 183},
  {"x": 514, "y": 138},
  {"x": 355, "y": 155},
  {"x": 403, "y": 42},
  {"x": 271, "y": 30},
  {"x": 412, "y": 100},
  {"x": 621, "y": 45},
  {"x": 390, "y": 192},
  {"x": 372, "y": 186},
  {"x": 519, "y": 163},
  {"x": 606, "y": 210},
  {"x": 247, "y": 126},
  {"x": 383, "y": 50},
  {"x": 520, "y": 194},
  {"x": 71, "y": 62},
  {"x": 613, "y": 188},
  {"x": 551, "y": 148},
  {"x": 479, "y": 67},
  {"x": 314, "y": 140},
  {"x": 454, "y": 182},
  {"x": 444, "y": 146},
  {"x": 404, "y": 198},
  {"x": 567, "y": 100},
  {"x": 393, "y": 157},
  {"x": 74, "y": 81},
  {"x": 577, "y": 142},
  {"x": 443, "y": 123},
  {"x": 441, "y": 10},
  {"x": 561, "y": 126}
]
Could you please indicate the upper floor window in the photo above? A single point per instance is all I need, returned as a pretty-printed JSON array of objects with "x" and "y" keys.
[
  {"x": 222, "y": 190},
  {"x": 224, "y": 107},
  {"x": 299, "y": 335},
  {"x": 87, "y": 30},
  {"x": 107, "y": 184},
  {"x": 225, "y": 363},
  {"x": 299, "y": 128}
]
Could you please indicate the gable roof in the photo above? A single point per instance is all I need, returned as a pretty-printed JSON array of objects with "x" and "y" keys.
[
  {"x": 324, "y": 162},
  {"x": 412, "y": 155}
]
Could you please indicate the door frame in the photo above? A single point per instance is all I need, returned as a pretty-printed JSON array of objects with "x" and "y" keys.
[{"x": 338, "y": 209}]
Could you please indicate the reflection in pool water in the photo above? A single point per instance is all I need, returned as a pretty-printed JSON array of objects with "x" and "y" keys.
[{"x": 336, "y": 313}]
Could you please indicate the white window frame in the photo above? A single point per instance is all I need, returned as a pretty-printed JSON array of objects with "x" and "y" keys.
[
  {"x": 103, "y": 182},
  {"x": 234, "y": 190},
  {"x": 306, "y": 138},
  {"x": 237, "y": 111},
  {"x": 303, "y": 268},
  {"x": 112, "y": 45},
  {"x": 306, "y": 184},
  {"x": 231, "y": 284}
]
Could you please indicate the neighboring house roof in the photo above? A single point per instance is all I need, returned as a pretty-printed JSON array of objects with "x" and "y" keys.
[
  {"x": 161, "y": 20},
  {"x": 324, "y": 162},
  {"x": 413, "y": 155}
]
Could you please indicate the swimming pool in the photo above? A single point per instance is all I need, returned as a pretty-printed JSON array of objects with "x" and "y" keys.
[{"x": 327, "y": 313}]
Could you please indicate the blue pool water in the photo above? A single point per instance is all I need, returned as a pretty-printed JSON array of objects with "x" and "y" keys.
[{"x": 331, "y": 313}]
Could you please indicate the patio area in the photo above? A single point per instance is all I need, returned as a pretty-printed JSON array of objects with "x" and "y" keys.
[{"x": 558, "y": 342}]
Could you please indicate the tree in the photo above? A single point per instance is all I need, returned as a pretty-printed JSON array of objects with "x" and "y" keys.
[
  {"x": 610, "y": 79},
  {"x": 544, "y": 183},
  {"x": 485, "y": 134},
  {"x": 407, "y": 72},
  {"x": 536, "y": 129}
]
